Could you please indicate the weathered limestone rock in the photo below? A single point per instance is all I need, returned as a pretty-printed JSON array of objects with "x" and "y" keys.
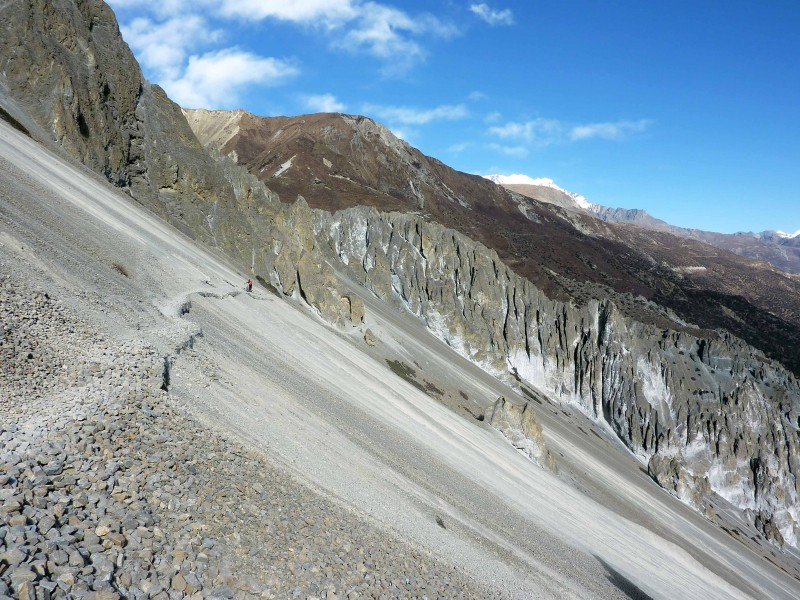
[
  {"x": 66, "y": 64},
  {"x": 520, "y": 427},
  {"x": 369, "y": 338}
]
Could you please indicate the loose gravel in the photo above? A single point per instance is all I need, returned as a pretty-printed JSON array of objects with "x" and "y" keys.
[{"x": 108, "y": 490}]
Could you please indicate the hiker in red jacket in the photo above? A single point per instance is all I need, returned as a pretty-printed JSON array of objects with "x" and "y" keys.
[{"x": 249, "y": 285}]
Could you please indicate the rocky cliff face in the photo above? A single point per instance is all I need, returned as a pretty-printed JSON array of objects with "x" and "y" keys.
[
  {"x": 65, "y": 63},
  {"x": 705, "y": 414}
]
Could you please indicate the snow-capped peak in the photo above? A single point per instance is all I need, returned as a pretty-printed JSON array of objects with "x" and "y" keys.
[
  {"x": 519, "y": 179},
  {"x": 788, "y": 235}
]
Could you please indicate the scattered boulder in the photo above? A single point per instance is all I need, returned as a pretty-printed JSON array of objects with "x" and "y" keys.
[
  {"x": 520, "y": 427},
  {"x": 370, "y": 338}
]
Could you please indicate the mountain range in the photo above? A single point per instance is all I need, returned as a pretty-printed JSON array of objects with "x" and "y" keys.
[
  {"x": 781, "y": 250},
  {"x": 513, "y": 392}
]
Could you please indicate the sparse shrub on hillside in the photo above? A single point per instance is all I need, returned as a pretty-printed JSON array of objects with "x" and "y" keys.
[{"x": 121, "y": 269}]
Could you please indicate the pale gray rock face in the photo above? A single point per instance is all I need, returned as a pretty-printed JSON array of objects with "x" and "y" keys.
[
  {"x": 519, "y": 426},
  {"x": 705, "y": 414}
]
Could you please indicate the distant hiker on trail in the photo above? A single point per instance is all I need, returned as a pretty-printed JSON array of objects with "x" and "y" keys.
[{"x": 249, "y": 285}]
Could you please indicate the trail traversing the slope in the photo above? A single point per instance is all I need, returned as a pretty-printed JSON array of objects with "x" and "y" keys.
[{"x": 108, "y": 489}]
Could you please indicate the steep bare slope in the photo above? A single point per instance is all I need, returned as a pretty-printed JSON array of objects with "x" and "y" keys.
[
  {"x": 321, "y": 462},
  {"x": 613, "y": 354},
  {"x": 339, "y": 161}
]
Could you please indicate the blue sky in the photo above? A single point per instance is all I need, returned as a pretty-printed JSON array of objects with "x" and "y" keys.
[{"x": 689, "y": 110}]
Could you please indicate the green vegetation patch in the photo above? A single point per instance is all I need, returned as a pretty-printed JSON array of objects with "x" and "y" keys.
[{"x": 403, "y": 370}]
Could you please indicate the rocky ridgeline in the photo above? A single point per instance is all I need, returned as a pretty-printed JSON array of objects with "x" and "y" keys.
[
  {"x": 109, "y": 491},
  {"x": 707, "y": 414}
]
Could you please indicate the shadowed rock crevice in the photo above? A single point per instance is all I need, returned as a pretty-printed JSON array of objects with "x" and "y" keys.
[{"x": 622, "y": 583}]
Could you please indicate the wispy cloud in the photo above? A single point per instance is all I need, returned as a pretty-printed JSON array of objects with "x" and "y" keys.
[
  {"x": 325, "y": 103},
  {"x": 406, "y": 115},
  {"x": 216, "y": 79},
  {"x": 327, "y": 13},
  {"x": 491, "y": 16},
  {"x": 542, "y": 132},
  {"x": 392, "y": 35},
  {"x": 170, "y": 36},
  {"x": 459, "y": 148},
  {"x": 609, "y": 131},
  {"x": 162, "y": 48},
  {"x": 515, "y": 151}
]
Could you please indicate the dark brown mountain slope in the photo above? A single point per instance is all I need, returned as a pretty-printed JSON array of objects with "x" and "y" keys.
[
  {"x": 782, "y": 252},
  {"x": 339, "y": 161}
]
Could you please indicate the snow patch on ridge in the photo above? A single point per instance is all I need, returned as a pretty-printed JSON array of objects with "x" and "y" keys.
[
  {"x": 520, "y": 179},
  {"x": 284, "y": 167}
]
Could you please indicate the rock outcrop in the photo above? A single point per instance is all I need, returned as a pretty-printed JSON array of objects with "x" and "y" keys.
[
  {"x": 66, "y": 65},
  {"x": 519, "y": 426},
  {"x": 342, "y": 161},
  {"x": 706, "y": 412}
]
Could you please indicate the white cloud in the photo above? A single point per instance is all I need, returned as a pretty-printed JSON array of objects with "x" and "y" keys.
[
  {"x": 327, "y": 13},
  {"x": 608, "y": 131},
  {"x": 415, "y": 116},
  {"x": 162, "y": 48},
  {"x": 491, "y": 16},
  {"x": 544, "y": 132},
  {"x": 515, "y": 151},
  {"x": 324, "y": 103},
  {"x": 216, "y": 79},
  {"x": 169, "y": 48},
  {"x": 459, "y": 148},
  {"x": 539, "y": 131},
  {"x": 476, "y": 96},
  {"x": 388, "y": 34}
]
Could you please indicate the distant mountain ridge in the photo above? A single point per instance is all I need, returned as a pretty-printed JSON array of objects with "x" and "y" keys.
[{"x": 782, "y": 250}]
